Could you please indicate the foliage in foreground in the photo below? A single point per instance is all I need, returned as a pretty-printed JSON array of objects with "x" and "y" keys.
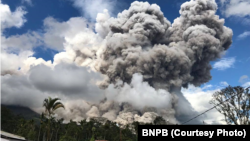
[
  {"x": 48, "y": 128},
  {"x": 37, "y": 129},
  {"x": 234, "y": 104}
]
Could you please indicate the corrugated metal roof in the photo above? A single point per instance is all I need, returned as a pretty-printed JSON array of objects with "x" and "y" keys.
[{"x": 6, "y": 134}]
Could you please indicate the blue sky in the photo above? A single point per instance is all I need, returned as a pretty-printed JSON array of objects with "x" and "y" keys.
[
  {"x": 63, "y": 10},
  {"x": 41, "y": 29}
]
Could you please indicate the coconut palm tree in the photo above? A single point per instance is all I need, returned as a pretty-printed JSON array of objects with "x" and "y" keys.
[
  {"x": 52, "y": 123},
  {"x": 51, "y": 104},
  {"x": 45, "y": 128},
  {"x": 58, "y": 126}
]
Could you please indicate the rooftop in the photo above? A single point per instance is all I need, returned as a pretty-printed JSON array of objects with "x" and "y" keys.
[{"x": 6, "y": 135}]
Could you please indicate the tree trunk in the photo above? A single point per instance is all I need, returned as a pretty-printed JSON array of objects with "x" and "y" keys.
[
  {"x": 39, "y": 133},
  {"x": 57, "y": 133},
  {"x": 105, "y": 132},
  {"x": 48, "y": 135},
  {"x": 51, "y": 136},
  {"x": 44, "y": 136}
]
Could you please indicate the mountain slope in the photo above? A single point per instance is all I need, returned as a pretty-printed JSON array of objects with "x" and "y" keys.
[{"x": 26, "y": 112}]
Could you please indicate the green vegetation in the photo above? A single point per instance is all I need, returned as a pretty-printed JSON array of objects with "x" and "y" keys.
[
  {"x": 8, "y": 120},
  {"x": 232, "y": 102},
  {"x": 17, "y": 124},
  {"x": 27, "y": 113},
  {"x": 46, "y": 127}
]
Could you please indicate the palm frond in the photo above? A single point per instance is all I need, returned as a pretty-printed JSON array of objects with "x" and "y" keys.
[
  {"x": 57, "y": 105},
  {"x": 52, "y": 102}
]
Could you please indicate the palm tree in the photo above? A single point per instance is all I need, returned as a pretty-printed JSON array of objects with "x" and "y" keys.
[
  {"x": 51, "y": 105},
  {"x": 53, "y": 122},
  {"x": 58, "y": 126},
  {"x": 42, "y": 117},
  {"x": 45, "y": 125}
]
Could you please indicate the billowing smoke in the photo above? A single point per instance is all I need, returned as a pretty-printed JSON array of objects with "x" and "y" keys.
[
  {"x": 141, "y": 40},
  {"x": 144, "y": 59}
]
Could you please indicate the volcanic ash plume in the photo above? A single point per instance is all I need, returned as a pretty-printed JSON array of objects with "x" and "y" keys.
[
  {"x": 146, "y": 60},
  {"x": 143, "y": 41}
]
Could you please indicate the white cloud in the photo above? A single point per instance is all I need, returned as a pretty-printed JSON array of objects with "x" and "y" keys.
[
  {"x": 29, "y": 2},
  {"x": 15, "y": 49},
  {"x": 224, "y": 84},
  {"x": 243, "y": 79},
  {"x": 10, "y": 63},
  {"x": 224, "y": 63},
  {"x": 90, "y": 8},
  {"x": 247, "y": 84},
  {"x": 74, "y": 35},
  {"x": 67, "y": 79},
  {"x": 16, "y": 43},
  {"x": 244, "y": 35},
  {"x": 207, "y": 87},
  {"x": 238, "y": 8},
  {"x": 73, "y": 32},
  {"x": 11, "y": 19},
  {"x": 199, "y": 99},
  {"x": 17, "y": 90}
]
